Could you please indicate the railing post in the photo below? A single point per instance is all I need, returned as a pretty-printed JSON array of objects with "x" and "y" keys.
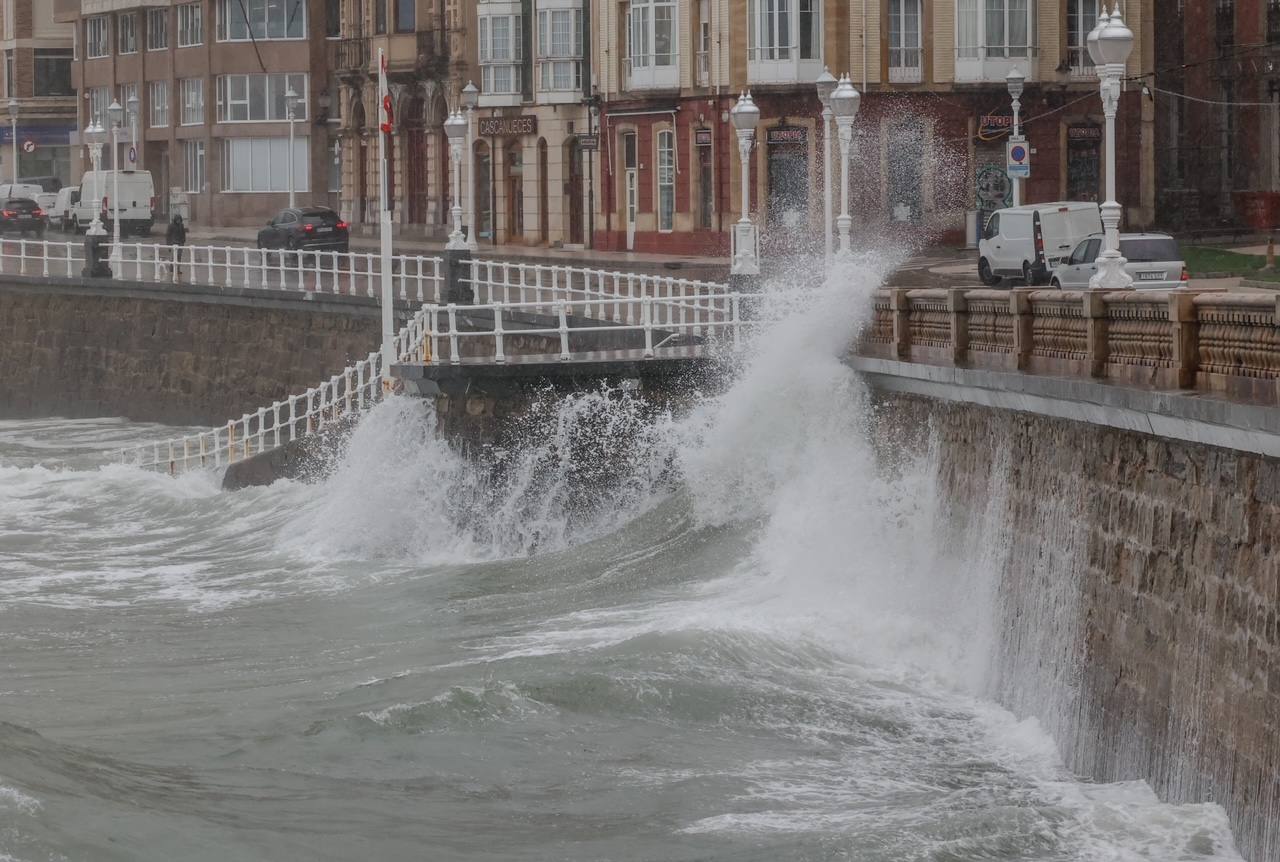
[
  {"x": 1095, "y": 321},
  {"x": 646, "y": 320},
  {"x": 1020, "y": 308},
  {"x": 564, "y": 330},
  {"x": 901, "y": 307},
  {"x": 1186, "y": 336},
  {"x": 498, "y": 354},
  {"x": 454, "y": 358},
  {"x": 958, "y": 305},
  {"x": 735, "y": 320}
]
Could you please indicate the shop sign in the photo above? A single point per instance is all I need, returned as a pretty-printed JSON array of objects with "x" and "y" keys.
[
  {"x": 994, "y": 125},
  {"x": 589, "y": 142},
  {"x": 1084, "y": 133},
  {"x": 502, "y": 127},
  {"x": 702, "y": 137},
  {"x": 787, "y": 135}
]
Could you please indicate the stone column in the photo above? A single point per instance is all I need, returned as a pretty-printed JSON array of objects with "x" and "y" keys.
[
  {"x": 1020, "y": 308},
  {"x": 1095, "y": 317},
  {"x": 958, "y": 305},
  {"x": 1186, "y": 336},
  {"x": 900, "y": 304}
]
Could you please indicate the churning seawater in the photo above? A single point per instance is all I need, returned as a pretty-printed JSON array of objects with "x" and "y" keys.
[{"x": 728, "y": 635}]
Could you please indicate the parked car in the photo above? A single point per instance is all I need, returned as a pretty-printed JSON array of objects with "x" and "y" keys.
[
  {"x": 63, "y": 205},
  {"x": 1028, "y": 242},
  {"x": 309, "y": 228},
  {"x": 24, "y": 189},
  {"x": 22, "y": 215},
  {"x": 49, "y": 188},
  {"x": 137, "y": 201},
  {"x": 1152, "y": 259}
]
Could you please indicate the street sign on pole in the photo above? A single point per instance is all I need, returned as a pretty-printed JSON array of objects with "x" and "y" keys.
[
  {"x": 1018, "y": 158},
  {"x": 28, "y": 146}
]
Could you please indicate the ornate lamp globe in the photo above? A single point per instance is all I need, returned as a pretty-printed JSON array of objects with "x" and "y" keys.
[
  {"x": 846, "y": 99},
  {"x": 455, "y": 127},
  {"x": 1092, "y": 40},
  {"x": 826, "y": 84},
  {"x": 115, "y": 112},
  {"x": 745, "y": 114},
  {"x": 94, "y": 133},
  {"x": 470, "y": 95},
  {"x": 1014, "y": 81},
  {"x": 1115, "y": 41}
]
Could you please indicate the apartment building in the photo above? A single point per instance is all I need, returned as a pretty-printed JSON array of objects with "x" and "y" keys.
[
  {"x": 37, "y": 76},
  {"x": 1216, "y": 95},
  {"x": 209, "y": 82},
  {"x": 414, "y": 37},
  {"x": 929, "y": 138}
]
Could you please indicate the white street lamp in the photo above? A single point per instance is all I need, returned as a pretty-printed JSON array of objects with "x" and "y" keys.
[
  {"x": 116, "y": 113},
  {"x": 470, "y": 98},
  {"x": 1109, "y": 46},
  {"x": 132, "y": 105},
  {"x": 844, "y": 104},
  {"x": 291, "y": 100},
  {"x": 13, "y": 130},
  {"x": 826, "y": 86},
  {"x": 746, "y": 238},
  {"x": 1014, "y": 80},
  {"x": 456, "y": 128},
  {"x": 94, "y": 137}
]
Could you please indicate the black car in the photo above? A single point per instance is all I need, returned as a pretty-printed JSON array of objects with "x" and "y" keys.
[
  {"x": 310, "y": 228},
  {"x": 23, "y": 215}
]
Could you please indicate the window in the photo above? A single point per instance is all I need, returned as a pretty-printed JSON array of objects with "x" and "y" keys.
[
  {"x": 904, "y": 41},
  {"x": 994, "y": 36},
  {"x": 651, "y": 44},
  {"x": 244, "y": 20},
  {"x": 262, "y": 165},
  {"x": 666, "y": 180},
  {"x": 9, "y": 74},
  {"x": 379, "y": 16},
  {"x": 560, "y": 49},
  {"x": 97, "y": 37},
  {"x": 159, "y": 104},
  {"x": 157, "y": 29},
  {"x": 500, "y": 54},
  {"x": 333, "y": 18},
  {"x": 127, "y": 34},
  {"x": 192, "y": 92},
  {"x": 784, "y": 40},
  {"x": 405, "y": 16},
  {"x": 260, "y": 98},
  {"x": 1082, "y": 15},
  {"x": 99, "y": 101},
  {"x": 124, "y": 94},
  {"x": 702, "y": 44},
  {"x": 194, "y": 176},
  {"x": 1006, "y": 22},
  {"x": 190, "y": 25}
]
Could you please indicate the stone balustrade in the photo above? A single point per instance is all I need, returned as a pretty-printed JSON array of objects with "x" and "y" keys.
[{"x": 1214, "y": 341}]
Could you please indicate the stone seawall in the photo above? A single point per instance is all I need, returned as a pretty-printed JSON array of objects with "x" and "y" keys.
[
  {"x": 1138, "y": 594},
  {"x": 184, "y": 355}
]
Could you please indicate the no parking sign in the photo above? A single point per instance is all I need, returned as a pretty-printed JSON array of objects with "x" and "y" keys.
[{"x": 1018, "y": 157}]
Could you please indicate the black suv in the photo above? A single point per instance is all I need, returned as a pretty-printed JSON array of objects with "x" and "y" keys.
[
  {"x": 23, "y": 215},
  {"x": 311, "y": 228}
]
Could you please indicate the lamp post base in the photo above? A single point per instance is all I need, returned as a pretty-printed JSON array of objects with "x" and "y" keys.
[
  {"x": 746, "y": 258},
  {"x": 1111, "y": 274},
  {"x": 844, "y": 224}
]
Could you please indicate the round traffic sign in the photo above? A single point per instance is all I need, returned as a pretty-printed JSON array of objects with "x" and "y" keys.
[
  {"x": 133, "y": 155},
  {"x": 1018, "y": 153},
  {"x": 28, "y": 146}
]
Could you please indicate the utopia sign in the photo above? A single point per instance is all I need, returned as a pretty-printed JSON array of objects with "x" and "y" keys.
[{"x": 499, "y": 127}]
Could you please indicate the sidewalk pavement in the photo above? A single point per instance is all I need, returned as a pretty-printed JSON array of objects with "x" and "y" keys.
[{"x": 682, "y": 266}]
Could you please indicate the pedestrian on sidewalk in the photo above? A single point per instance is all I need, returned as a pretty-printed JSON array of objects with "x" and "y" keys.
[{"x": 176, "y": 238}]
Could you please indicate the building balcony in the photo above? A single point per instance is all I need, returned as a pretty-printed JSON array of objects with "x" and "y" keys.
[
  {"x": 991, "y": 64},
  {"x": 352, "y": 55},
  {"x": 1080, "y": 64},
  {"x": 703, "y": 77},
  {"x": 501, "y": 84},
  {"x": 781, "y": 66},
  {"x": 646, "y": 73},
  {"x": 905, "y": 66}
]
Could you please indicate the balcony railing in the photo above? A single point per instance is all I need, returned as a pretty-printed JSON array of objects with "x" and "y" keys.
[
  {"x": 704, "y": 68},
  {"x": 647, "y": 73},
  {"x": 904, "y": 66},
  {"x": 1079, "y": 63},
  {"x": 991, "y": 63},
  {"x": 353, "y": 54}
]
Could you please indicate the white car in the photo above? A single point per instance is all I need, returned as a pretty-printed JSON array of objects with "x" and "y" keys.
[
  {"x": 1028, "y": 242},
  {"x": 1152, "y": 260}
]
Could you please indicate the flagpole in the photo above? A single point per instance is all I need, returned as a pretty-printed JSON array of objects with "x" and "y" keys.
[{"x": 384, "y": 193}]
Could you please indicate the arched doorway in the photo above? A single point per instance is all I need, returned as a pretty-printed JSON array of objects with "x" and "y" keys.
[
  {"x": 437, "y": 149},
  {"x": 359, "y": 163},
  {"x": 483, "y": 192},
  {"x": 544, "y": 207},
  {"x": 573, "y": 189},
  {"x": 414, "y": 138},
  {"x": 514, "y": 162}
]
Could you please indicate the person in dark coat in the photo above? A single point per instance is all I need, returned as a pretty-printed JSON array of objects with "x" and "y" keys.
[{"x": 176, "y": 237}]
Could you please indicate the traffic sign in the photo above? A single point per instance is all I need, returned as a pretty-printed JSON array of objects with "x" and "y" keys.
[
  {"x": 1018, "y": 157},
  {"x": 28, "y": 146},
  {"x": 133, "y": 155}
]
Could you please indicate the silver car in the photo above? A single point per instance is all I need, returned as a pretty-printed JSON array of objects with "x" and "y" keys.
[{"x": 1154, "y": 262}]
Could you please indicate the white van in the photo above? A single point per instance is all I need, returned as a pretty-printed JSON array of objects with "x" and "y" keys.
[
  {"x": 1029, "y": 242},
  {"x": 60, "y": 212},
  {"x": 137, "y": 201}
]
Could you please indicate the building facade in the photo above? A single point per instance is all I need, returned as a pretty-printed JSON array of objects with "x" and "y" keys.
[
  {"x": 211, "y": 82},
  {"x": 37, "y": 76},
  {"x": 929, "y": 138}
]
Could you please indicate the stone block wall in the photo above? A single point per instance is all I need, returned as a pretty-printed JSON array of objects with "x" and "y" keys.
[
  {"x": 192, "y": 356},
  {"x": 1138, "y": 598}
]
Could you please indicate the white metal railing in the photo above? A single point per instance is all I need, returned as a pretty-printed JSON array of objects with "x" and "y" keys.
[
  {"x": 904, "y": 66},
  {"x": 598, "y": 293},
  {"x": 569, "y": 321},
  {"x": 415, "y": 278}
]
